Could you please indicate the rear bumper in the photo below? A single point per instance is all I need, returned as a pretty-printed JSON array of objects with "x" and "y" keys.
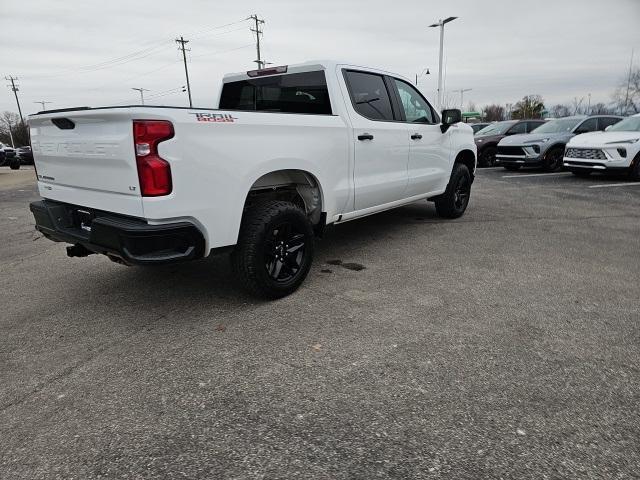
[{"x": 131, "y": 240}]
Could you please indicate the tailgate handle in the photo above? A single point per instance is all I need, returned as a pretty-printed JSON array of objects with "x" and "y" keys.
[{"x": 63, "y": 123}]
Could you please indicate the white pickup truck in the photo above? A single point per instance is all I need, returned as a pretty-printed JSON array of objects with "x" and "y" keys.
[{"x": 290, "y": 150}]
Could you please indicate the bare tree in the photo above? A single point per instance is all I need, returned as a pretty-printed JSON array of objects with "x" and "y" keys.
[
  {"x": 493, "y": 113},
  {"x": 601, "y": 109},
  {"x": 11, "y": 127},
  {"x": 559, "y": 111},
  {"x": 577, "y": 105},
  {"x": 531, "y": 106},
  {"x": 627, "y": 96}
]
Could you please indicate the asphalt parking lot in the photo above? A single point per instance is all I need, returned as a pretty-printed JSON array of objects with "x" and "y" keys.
[{"x": 504, "y": 344}]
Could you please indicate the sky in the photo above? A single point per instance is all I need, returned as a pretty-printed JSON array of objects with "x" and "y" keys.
[{"x": 92, "y": 53}]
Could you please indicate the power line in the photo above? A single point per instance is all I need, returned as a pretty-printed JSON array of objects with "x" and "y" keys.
[
  {"x": 258, "y": 31},
  {"x": 141, "y": 90},
  {"x": 15, "y": 89},
  {"x": 182, "y": 43}
]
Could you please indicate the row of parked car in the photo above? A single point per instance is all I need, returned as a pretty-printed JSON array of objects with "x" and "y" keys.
[
  {"x": 13, "y": 158},
  {"x": 581, "y": 144}
]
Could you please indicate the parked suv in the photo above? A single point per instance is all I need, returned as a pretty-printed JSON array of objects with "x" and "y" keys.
[
  {"x": 487, "y": 139},
  {"x": 545, "y": 147},
  {"x": 616, "y": 150},
  {"x": 8, "y": 157}
]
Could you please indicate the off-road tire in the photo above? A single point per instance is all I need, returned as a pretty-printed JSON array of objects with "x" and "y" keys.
[
  {"x": 249, "y": 258},
  {"x": 450, "y": 204}
]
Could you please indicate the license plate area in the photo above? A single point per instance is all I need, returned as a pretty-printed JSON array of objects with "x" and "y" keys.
[{"x": 82, "y": 219}]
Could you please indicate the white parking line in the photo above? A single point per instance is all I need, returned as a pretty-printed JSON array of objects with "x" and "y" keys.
[
  {"x": 536, "y": 175},
  {"x": 630, "y": 184}
]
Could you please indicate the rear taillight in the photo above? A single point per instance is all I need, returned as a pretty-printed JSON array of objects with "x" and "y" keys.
[{"x": 154, "y": 172}]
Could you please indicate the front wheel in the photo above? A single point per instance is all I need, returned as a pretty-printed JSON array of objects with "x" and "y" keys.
[
  {"x": 488, "y": 157},
  {"x": 453, "y": 202},
  {"x": 14, "y": 165},
  {"x": 553, "y": 159},
  {"x": 275, "y": 249}
]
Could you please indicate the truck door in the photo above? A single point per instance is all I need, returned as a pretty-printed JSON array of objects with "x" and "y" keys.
[
  {"x": 429, "y": 148},
  {"x": 381, "y": 144}
]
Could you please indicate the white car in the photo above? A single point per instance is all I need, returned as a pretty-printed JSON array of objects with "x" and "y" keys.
[
  {"x": 290, "y": 150},
  {"x": 615, "y": 150}
]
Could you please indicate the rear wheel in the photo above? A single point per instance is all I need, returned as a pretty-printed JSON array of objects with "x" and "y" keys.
[
  {"x": 275, "y": 249},
  {"x": 488, "y": 157},
  {"x": 453, "y": 202},
  {"x": 512, "y": 168},
  {"x": 553, "y": 159},
  {"x": 15, "y": 164}
]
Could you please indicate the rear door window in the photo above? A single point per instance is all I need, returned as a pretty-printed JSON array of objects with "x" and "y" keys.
[
  {"x": 533, "y": 125},
  {"x": 292, "y": 93},
  {"x": 518, "y": 128},
  {"x": 369, "y": 95},
  {"x": 589, "y": 125},
  {"x": 605, "y": 122}
]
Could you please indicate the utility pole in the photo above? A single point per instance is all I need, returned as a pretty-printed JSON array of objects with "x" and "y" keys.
[
  {"x": 182, "y": 43},
  {"x": 258, "y": 31},
  {"x": 141, "y": 90},
  {"x": 43, "y": 103},
  {"x": 589, "y": 107},
  {"x": 441, "y": 24},
  {"x": 462, "y": 90},
  {"x": 15, "y": 89}
]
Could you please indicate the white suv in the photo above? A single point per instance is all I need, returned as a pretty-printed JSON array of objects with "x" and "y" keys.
[{"x": 616, "y": 149}]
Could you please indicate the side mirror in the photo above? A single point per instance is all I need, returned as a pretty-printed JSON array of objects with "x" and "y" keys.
[
  {"x": 606, "y": 129},
  {"x": 450, "y": 117}
]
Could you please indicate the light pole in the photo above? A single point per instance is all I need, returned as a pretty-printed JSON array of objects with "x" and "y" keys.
[
  {"x": 589, "y": 107},
  {"x": 441, "y": 24},
  {"x": 424, "y": 72}
]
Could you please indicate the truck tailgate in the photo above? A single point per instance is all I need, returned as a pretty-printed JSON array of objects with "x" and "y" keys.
[{"x": 87, "y": 158}]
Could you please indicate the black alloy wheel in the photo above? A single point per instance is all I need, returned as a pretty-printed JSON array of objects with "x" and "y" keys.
[{"x": 284, "y": 252}]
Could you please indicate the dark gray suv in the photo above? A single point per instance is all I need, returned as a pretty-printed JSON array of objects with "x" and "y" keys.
[{"x": 545, "y": 146}]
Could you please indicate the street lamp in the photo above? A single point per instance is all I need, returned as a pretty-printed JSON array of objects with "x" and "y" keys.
[
  {"x": 424, "y": 72},
  {"x": 441, "y": 24}
]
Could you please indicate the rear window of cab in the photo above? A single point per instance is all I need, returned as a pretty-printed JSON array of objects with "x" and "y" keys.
[{"x": 290, "y": 93}]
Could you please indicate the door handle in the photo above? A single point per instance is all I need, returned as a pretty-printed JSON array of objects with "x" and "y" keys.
[
  {"x": 366, "y": 136},
  {"x": 416, "y": 136}
]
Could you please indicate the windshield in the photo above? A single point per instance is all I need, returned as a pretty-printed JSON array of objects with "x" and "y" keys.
[
  {"x": 498, "y": 128},
  {"x": 559, "y": 126},
  {"x": 631, "y": 124}
]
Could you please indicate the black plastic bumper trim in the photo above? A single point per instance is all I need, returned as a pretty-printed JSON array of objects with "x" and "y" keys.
[{"x": 130, "y": 239}]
